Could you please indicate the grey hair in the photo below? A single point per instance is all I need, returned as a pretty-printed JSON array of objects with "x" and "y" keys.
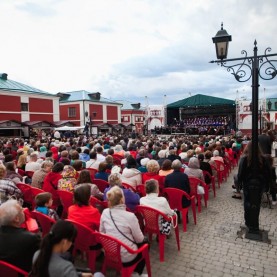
[
  {"x": 8, "y": 212},
  {"x": 176, "y": 164},
  {"x": 46, "y": 163}
]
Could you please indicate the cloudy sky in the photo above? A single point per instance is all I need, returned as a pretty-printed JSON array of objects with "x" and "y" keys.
[{"x": 129, "y": 49}]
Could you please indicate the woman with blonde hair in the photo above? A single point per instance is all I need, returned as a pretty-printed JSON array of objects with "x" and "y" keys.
[
  {"x": 117, "y": 222},
  {"x": 22, "y": 161},
  {"x": 153, "y": 173}
]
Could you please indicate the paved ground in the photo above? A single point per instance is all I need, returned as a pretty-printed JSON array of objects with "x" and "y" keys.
[{"x": 213, "y": 248}]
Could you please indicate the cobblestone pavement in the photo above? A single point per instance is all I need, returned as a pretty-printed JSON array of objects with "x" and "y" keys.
[{"x": 213, "y": 248}]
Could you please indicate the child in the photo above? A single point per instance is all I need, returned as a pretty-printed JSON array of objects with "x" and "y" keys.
[{"x": 43, "y": 203}]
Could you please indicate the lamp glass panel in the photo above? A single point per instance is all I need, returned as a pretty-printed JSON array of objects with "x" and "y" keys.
[{"x": 221, "y": 49}]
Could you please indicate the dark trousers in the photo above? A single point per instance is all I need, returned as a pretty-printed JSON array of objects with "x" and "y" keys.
[{"x": 140, "y": 266}]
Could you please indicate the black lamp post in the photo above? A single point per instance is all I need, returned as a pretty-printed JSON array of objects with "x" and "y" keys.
[{"x": 243, "y": 69}]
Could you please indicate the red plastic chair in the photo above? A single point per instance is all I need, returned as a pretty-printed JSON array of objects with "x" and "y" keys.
[
  {"x": 96, "y": 203},
  {"x": 44, "y": 221},
  {"x": 151, "y": 220},
  {"x": 174, "y": 197},
  {"x": 127, "y": 186},
  {"x": 141, "y": 190},
  {"x": 219, "y": 175},
  {"x": 27, "y": 193},
  {"x": 92, "y": 172},
  {"x": 21, "y": 172},
  {"x": 112, "y": 247},
  {"x": 194, "y": 182},
  {"x": 221, "y": 167},
  {"x": 9, "y": 270},
  {"x": 66, "y": 198},
  {"x": 29, "y": 174},
  {"x": 86, "y": 242},
  {"x": 212, "y": 180},
  {"x": 35, "y": 191},
  {"x": 101, "y": 184}
]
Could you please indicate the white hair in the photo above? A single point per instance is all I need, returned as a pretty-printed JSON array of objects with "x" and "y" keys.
[{"x": 8, "y": 212}]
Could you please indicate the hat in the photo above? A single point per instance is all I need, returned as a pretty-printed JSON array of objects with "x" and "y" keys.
[
  {"x": 115, "y": 169},
  {"x": 42, "y": 149},
  {"x": 144, "y": 161}
]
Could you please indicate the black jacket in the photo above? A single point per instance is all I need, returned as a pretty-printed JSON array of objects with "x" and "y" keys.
[{"x": 17, "y": 246}]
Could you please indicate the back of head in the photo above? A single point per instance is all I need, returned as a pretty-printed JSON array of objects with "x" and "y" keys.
[
  {"x": 153, "y": 166},
  {"x": 114, "y": 179},
  {"x": 58, "y": 167},
  {"x": 115, "y": 196},
  {"x": 176, "y": 164},
  {"x": 131, "y": 162},
  {"x": 82, "y": 195},
  {"x": 193, "y": 163},
  {"x": 151, "y": 186},
  {"x": 9, "y": 210},
  {"x": 84, "y": 177},
  {"x": 61, "y": 230},
  {"x": 3, "y": 171},
  {"x": 42, "y": 198}
]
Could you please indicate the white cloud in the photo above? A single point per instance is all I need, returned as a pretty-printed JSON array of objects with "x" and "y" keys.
[{"x": 131, "y": 48}]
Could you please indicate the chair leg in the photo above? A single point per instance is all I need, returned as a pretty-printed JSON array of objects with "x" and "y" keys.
[
  {"x": 161, "y": 246},
  {"x": 147, "y": 262},
  {"x": 184, "y": 218},
  {"x": 177, "y": 236},
  {"x": 193, "y": 208},
  {"x": 199, "y": 203}
]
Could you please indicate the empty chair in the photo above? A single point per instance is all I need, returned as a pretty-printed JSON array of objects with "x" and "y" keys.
[
  {"x": 66, "y": 198},
  {"x": 85, "y": 242},
  {"x": 9, "y": 270},
  {"x": 101, "y": 184},
  {"x": 112, "y": 248},
  {"x": 194, "y": 183},
  {"x": 151, "y": 219},
  {"x": 175, "y": 197},
  {"x": 27, "y": 194},
  {"x": 141, "y": 190},
  {"x": 44, "y": 221},
  {"x": 96, "y": 203}
]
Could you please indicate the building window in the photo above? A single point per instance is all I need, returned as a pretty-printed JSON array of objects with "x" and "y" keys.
[
  {"x": 275, "y": 104},
  {"x": 72, "y": 112},
  {"x": 124, "y": 118},
  {"x": 24, "y": 107}
]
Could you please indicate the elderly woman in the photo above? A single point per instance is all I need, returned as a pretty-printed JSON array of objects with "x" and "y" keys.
[
  {"x": 131, "y": 198},
  {"x": 131, "y": 175},
  {"x": 39, "y": 175},
  {"x": 8, "y": 189},
  {"x": 153, "y": 173},
  {"x": 12, "y": 174},
  {"x": 68, "y": 180},
  {"x": 117, "y": 222},
  {"x": 153, "y": 200}
]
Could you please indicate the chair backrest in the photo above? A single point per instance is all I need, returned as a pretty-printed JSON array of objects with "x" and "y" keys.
[
  {"x": 85, "y": 236},
  {"x": 27, "y": 192},
  {"x": 29, "y": 174},
  {"x": 9, "y": 270},
  {"x": 141, "y": 190},
  {"x": 174, "y": 197},
  {"x": 151, "y": 218},
  {"x": 101, "y": 184},
  {"x": 127, "y": 186},
  {"x": 111, "y": 247},
  {"x": 194, "y": 182},
  {"x": 66, "y": 198},
  {"x": 21, "y": 172},
  {"x": 92, "y": 172},
  {"x": 35, "y": 191},
  {"x": 219, "y": 165},
  {"x": 44, "y": 221},
  {"x": 96, "y": 202}
]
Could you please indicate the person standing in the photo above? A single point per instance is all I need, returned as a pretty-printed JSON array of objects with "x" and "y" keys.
[{"x": 265, "y": 142}]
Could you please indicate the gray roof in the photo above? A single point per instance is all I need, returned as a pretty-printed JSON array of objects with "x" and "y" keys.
[
  {"x": 83, "y": 95},
  {"x": 6, "y": 84},
  {"x": 127, "y": 105}
]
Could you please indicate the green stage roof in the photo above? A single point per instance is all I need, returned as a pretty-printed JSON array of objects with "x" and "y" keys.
[{"x": 200, "y": 100}]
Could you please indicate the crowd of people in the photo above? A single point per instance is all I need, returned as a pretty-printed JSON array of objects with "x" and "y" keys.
[{"x": 135, "y": 170}]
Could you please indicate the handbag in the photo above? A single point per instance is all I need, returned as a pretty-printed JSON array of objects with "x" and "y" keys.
[{"x": 166, "y": 225}]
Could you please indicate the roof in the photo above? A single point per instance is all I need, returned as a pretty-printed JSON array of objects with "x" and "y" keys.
[
  {"x": 83, "y": 95},
  {"x": 200, "y": 100},
  {"x": 127, "y": 105},
  {"x": 6, "y": 84}
]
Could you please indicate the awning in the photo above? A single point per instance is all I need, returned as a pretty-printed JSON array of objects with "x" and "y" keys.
[
  {"x": 64, "y": 123},
  {"x": 69, "y": 128},
  {"x": 39, "y": 124}
]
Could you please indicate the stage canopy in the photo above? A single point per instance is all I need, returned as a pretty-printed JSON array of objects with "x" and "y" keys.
[{"x": 200, "y": 100}]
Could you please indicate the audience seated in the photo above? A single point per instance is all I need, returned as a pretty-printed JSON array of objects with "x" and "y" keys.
[
  {"x": 39, "y": 175},
  {"x": 17, "y": 246},
  {"x": 130, "y": 174}
]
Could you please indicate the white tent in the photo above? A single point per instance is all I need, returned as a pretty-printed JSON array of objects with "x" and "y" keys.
[{"x": 69, "y": 128}]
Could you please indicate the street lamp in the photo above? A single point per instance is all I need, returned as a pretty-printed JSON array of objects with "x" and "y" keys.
[{"x": 243, "y": 69}]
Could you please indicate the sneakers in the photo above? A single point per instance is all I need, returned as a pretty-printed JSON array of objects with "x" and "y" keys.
[{"x": 274, "y": 203}]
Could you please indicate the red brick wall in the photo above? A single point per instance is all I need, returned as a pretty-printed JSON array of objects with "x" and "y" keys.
[
  {"x": 10, "y": 103},
  {"x": 40, "y": 105}
]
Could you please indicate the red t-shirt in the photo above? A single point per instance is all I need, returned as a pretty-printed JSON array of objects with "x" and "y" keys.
[{"x": 86, "y": 215}]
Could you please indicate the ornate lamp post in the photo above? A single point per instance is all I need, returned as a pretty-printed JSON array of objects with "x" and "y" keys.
[{"x": 243, "y": 69}]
